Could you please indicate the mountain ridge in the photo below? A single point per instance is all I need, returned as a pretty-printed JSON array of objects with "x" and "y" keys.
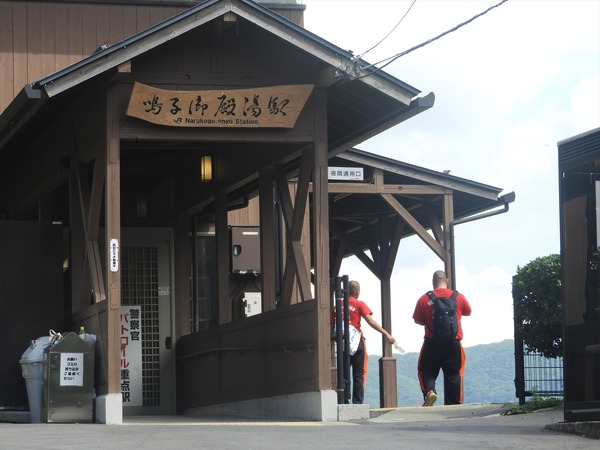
[{"x": 489, "y": 376}]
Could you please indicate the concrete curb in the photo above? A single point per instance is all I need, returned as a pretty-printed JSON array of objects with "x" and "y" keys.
[{"x": 585, "y": 429}]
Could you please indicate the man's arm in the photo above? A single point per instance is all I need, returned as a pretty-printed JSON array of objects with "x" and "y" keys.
[
  {"x": 373, "y": 324},
  {"x": 466, "y": 307}
]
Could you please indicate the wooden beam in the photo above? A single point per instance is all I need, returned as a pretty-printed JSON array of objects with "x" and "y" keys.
[
  {"x": 337, "y": 259},
  {"x": 402, "y": 189},
  {"x": 375, "y": 245},
  {"x": 416, "y": 226},
  {"x": 328, "y": 77},
  {"x": 295, "y": 263},
  {"x": 448, "y": 219},
  {"x": 95, "y": 202},
  {"x": 268, "y": 236},
  {"x": 393, "y": 249},
  {"x": 223, "y": 255},
  {"x": 90, "y": 204},
  {"x": 436, "y": 227},
  {"x": 94, "y": 262},
  {"x": 113, "y": 231},
  {"x": 302, "y": 194},
  {"x": 343, "y": 237},
  {"x": 283, "y": 135},
  {"x": 320, "y": 214},
  {"x": 77, "y": 260}
]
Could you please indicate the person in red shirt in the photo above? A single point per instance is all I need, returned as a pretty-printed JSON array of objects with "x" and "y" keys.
[
  {"x": 447, "y": 355},
  {"x": 359, "y": 310}
]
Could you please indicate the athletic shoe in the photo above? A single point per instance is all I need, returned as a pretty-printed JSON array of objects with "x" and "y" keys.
[{"x": 430, "y": 398}]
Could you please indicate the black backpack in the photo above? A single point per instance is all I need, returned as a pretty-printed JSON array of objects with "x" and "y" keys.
[{"x": 445, "y": 323}]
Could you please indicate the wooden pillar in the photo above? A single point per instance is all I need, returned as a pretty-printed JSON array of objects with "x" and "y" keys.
[
  {"x": 448, "y": 215},
  {"x": 223, "y": 253},
  {"x": 79, "y": 297},
  {"x": 268, "y": 234},
  {"x": 182, "y": 258},
  {"x": 321, "y": 241},
  {"x": 113, "y": 246},
  {"x": 388, "y": 391}
]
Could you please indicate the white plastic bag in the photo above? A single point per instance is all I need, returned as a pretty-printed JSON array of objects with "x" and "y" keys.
[{"x": 354, "y": 337}]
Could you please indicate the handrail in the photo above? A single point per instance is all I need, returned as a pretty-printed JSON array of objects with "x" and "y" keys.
[{"x": 285, "y": 348}]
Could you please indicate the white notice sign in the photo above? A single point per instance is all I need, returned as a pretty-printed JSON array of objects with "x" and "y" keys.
[
  {"x": 114, "y": 255},
  {"x": 71, "y": 369},
  {"x": 345, "y": 173}
]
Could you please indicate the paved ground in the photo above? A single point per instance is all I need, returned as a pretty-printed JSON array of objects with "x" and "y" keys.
[{"x": 449, "y": 427}]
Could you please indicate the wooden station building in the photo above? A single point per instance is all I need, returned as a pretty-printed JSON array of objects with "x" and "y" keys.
[{"x": 169, "y": 181}]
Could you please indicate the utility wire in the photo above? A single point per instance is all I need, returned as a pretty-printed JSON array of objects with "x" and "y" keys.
[
  {"x": 423, "y": 44},
  {"x": 392, "y": 30}
]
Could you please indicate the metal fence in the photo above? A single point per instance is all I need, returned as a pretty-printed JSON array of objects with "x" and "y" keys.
[{"x": 536, "y": 374}]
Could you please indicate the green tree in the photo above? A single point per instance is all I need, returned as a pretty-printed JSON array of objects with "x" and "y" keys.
[{"x": 536, "y": 292}]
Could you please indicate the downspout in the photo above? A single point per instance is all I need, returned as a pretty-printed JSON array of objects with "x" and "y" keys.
[
  {"x": 346, "y": 325},
  {"x": 505, "y": 199}
]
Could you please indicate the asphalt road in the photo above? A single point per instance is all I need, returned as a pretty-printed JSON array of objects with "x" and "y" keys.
[{"x": 449, "y": 427}]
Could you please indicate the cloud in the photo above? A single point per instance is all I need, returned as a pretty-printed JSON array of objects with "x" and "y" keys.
[{"x": 509, "y": 86}]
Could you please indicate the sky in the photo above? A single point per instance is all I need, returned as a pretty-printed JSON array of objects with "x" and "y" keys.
[{"x": 509, "y": 86}]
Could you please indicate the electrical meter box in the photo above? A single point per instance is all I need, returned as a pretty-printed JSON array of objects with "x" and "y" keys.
[
  {"x": 252, "y": 303},
  {"x": 245, "y": 249}
]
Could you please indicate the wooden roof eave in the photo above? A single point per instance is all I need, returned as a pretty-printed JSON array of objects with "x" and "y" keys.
[
  {"x": 25, "y": 105},
  {"x": 131, "y": 47},
  {"x": 416, "y": 106},
  {"x": 441, "y": 180},
  {"x": 342, "y": 61}
]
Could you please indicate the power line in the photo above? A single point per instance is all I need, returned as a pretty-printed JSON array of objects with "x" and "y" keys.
[
  {"x": 429, "y": 41},
  {"x": 392, "y": 30}
]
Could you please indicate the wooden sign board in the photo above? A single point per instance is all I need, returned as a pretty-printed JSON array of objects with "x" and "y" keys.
[{"x": 266, "y": 107}]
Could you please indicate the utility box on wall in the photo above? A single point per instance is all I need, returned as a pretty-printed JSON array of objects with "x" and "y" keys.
[
  {"x": 252, "y": 303},
  {"x": 245, "y": 249}
]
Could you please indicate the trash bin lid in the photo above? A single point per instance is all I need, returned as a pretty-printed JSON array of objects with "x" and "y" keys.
[{"x": 35, "y": 351}]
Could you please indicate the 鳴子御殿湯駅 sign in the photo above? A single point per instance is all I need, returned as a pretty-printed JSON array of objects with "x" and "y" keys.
[{"x": 261, "y": 107}]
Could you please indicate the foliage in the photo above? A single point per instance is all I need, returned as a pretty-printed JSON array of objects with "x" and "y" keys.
[
  {"x": 536, "y": 292},
  {"x": 536, "y": 402}
]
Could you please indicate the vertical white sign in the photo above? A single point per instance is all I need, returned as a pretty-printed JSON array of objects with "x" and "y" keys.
[
  {"x": 131, "y": 355},
  {"x": 114, "y": 255},
  {"x": 71, "y": 369}
]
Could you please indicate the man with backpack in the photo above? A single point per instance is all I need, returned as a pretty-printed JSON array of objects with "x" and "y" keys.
[{"x": 440, "y": 311}]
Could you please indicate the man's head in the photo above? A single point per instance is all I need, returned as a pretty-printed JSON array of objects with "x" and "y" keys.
[
  {"x": 439, "y": 279},
  {"x": 353, "y": 289}
]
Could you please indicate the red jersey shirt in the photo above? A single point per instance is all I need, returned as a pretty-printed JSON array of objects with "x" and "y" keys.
[
  {"x": 358, "y": 309},
  {"x": 424, "y": 311}
]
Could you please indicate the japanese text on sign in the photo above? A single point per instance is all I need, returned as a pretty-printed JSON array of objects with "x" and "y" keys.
[
  {"x": 276, "y": 106},
  {"x": 131, "y": 355},
  {"x": 346, "y": 173},
  {"x": 114, "y": 255},
  {"x": 71, "y": 369}
]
